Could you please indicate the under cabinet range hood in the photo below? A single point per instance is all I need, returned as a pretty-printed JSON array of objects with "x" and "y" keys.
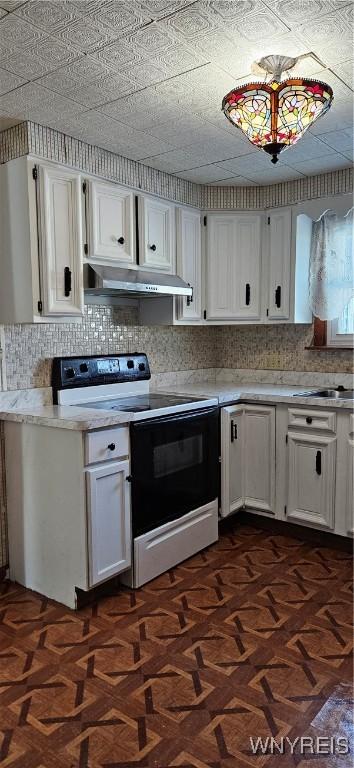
[{"x": 115, "y": 281}]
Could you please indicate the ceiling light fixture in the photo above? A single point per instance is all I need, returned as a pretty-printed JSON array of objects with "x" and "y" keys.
[{"x": 276, "y": 114}]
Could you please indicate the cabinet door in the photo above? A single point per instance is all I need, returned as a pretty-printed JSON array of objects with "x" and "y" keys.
[
  {"x": 109, "y": 523},
  {"x": 311, "y": 479},
  {"x": 232, "y": 497},
  {"x": 221, "y": 274},
  {"x": 259, "y": 457},
  {"x": 234, "y": 266},
  {"x": 156, "y": 235},
  {"x": 110, "y": 222},
  {"x": 279, "y": 243},
  {"x": 189, "y": 262},
  {"x": 247, "y": 268},
  {"x": 60, "y": 241},
  {"x": 350, "y": 486}
]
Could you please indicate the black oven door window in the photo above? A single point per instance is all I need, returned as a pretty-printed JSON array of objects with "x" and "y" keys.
[{"x": 175, "y": 462}]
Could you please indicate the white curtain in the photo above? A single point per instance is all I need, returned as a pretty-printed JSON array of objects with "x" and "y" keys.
[{"x": 331, "y": 272}]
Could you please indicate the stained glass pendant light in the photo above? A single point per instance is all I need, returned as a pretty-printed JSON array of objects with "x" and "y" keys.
[{"x": 276, "y": 114}]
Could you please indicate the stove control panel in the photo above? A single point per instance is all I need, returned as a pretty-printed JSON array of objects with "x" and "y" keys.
[{"x": 69, "y": 372}]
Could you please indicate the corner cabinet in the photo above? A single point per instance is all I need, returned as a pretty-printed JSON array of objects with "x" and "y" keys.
[
  {"x": 189, "y": 262},
  {"x": 233, "y": 244},
  {"x": 248, "y": 458},
  {"x": 109, "y": 222},
  {"x": 279, "y": 263},
  {"x": 156, "y": 234},
  {"x": 41, "y": 243}
]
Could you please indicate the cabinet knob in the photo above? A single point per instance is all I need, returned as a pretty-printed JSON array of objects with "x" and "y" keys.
[
  {"x": 128, "y": 478},
  {"x": 111, "y": 446},
  {"x": 308, "y": 419},
  {"x": 152, "y": 247},
  {"x": 120, "y": 240}
]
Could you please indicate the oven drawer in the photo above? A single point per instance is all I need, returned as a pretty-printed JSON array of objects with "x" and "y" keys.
[
  {"x": 157, "y": 551},
  {"x": 312, "y": 419},
  {"x": 106, "y": 444}
]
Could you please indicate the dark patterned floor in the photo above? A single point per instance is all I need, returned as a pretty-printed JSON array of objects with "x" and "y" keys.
[{"x": 252, "y": 637}]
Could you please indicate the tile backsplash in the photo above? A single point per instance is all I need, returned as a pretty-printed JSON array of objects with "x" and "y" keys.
[
  {"x": 29, "y": 349},
  {"x": 278, "y": 347}
]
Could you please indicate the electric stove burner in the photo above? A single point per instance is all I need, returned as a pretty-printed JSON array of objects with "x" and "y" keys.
[{"x": 140, "y": 403}]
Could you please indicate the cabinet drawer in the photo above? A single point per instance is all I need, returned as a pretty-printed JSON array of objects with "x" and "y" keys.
[
  {"x": 311, "y": 419},
  {"x": 106, "y": 444}
]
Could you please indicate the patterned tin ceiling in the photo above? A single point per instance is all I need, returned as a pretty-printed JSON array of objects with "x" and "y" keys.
[{"x": 146, "y": 79}]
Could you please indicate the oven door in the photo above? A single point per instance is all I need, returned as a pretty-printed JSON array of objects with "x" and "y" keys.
[{"x": 175, "y": 466}]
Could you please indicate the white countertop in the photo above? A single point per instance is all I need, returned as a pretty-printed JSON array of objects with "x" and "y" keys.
[
  {"x": 72, "y": 417},
  {"x": 228, "y": 392}
]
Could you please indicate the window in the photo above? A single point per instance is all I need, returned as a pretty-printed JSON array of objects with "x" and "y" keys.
[
  {"x": 331, "y": 280},
  {"x": 340, "y": 332}
]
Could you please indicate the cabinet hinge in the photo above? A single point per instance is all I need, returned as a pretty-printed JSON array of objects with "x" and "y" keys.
[
  {"x": 286, "y": 439},
  {"x": 85, "y": 249},
  {"x": 40, "y": 306},
  {"x": 268, "y": 220},
  {"x": 84, "y": 187},
  {"x": 205, "y": 221},
  {"x": 204, "y": 314},
  {"x": 35, "y": 173},
  {"x": 285, "y": 510}
]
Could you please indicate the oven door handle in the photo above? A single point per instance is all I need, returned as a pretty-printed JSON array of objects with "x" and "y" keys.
[{"x": 185, "y": 416}]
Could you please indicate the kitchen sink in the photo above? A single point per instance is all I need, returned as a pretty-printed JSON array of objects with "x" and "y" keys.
[{"x": 341, "y": 394}]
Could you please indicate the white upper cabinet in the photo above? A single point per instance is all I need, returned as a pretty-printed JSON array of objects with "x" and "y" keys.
[
  {"x": 189, "y": 262},
  {"x": 157, "y": 242},
  {"x": 279, "y": 263},
  {"x": 60, "y": 241},
  {"x": 220, "y": 267},
  {"x": 233, "y": 266},
  {"x": 110, "y": 222},
  {"x": 41, "y": 243},
  {"x": 248, "y": 266}
]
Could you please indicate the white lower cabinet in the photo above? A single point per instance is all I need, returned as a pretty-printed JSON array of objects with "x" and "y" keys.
[
  {"x": 311, "y": 479},
  {"x": 248, "y": 458},
  {"x": 109, "y": 520}
]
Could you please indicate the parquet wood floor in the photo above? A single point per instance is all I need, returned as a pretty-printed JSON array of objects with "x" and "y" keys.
[{"x": 251, "y": 637}]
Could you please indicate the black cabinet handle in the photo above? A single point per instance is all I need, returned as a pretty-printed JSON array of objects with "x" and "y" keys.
[
  {"x": 67, "y": 281},
  {"x": 308, "y": 419},
  {"x": 111, "y": 446},
  {"x": 233, "y": 431},
  {"x": 190, "y": 298},
  {"x": 278, "y": 296},
  {"x": 319, "y": 462},
  {"x": 120, "y": 240},
  {"x": 152, "y": 247},
  {"x": 248, "y": 294}
]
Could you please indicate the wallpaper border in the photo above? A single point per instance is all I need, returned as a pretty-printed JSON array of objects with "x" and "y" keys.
[{"x": 32, "y": 138}]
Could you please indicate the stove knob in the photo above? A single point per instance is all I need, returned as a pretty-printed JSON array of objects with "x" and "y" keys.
[
  {"x": 141, "y": 366},
  {"x": 83, "y": 367},
  {"x": 130, "y": 364},
  {"x": 70, "y": 373}
]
